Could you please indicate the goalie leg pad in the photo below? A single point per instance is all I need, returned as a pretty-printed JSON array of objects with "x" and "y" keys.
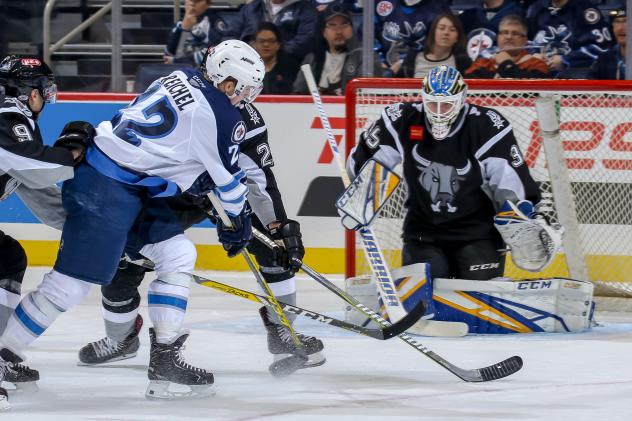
[
  {"x": 523, "y": 306},
  {"x": 413, "y": 284}
]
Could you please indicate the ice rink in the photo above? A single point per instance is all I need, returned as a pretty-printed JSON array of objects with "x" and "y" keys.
[{"x": 574, "y": 377}]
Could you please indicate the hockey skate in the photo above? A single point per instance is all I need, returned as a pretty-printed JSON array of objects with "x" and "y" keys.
[
  {"x": 4, "y": 396},
  {"x": 106, "y": 350},
  {"x": 167, "y": 366},
  {"x": 21, "y": 376},
  {"x": 287, "y": 356}
]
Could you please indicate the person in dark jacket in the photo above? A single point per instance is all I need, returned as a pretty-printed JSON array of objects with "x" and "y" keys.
[
  {"x": 339, "y": 59},
  {"x": 297, "y": 21},
  {"x": 281, "y": 67},
  {"x": 445, "y": 44},
  {"x": 200, "y": 28},
  {"x": 611, "y": 64}
]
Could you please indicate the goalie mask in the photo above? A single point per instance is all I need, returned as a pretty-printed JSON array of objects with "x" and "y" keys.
[
  {"x": 20, "y": 74},
  {"x": 443, "y": 93},
  {"x": 237, "y": 60}
]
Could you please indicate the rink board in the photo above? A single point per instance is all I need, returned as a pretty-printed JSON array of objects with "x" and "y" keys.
[{"x": 305, "y": 170}]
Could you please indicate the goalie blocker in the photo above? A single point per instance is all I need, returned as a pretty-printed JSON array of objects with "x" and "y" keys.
[{"x": 497, "y": 306}]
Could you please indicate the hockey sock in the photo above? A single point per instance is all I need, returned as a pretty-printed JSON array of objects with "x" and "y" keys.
[
  {"x": 118, "y": 326},
  {"x": 284, "y": 291},
  {"x": 39, "y": 309},
  {"x": 168, "y": 297},
  {"x": 8, "y": 302}
]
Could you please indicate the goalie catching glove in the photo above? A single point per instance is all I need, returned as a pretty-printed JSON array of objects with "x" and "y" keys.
[
  {"x": 288, "y": 235},
  {"x": 237, "y": 237},
  {"x": 76, "y": 135},
  {"x": 533, "y": 242}
]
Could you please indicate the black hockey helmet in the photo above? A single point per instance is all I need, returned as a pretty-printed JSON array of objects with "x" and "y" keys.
[{"x": 20, "y": 74}]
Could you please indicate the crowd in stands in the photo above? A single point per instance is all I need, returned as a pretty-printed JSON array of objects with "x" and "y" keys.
[{"x": 498, "y": 39}]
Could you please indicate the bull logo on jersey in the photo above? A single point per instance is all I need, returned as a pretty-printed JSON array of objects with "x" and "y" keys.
[
  {"x": 441, "y": 181},
  {"x": 554, "y": 40}
]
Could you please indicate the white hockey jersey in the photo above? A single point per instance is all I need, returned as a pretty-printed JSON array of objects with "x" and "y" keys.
[{"x": 181, "y": 134}]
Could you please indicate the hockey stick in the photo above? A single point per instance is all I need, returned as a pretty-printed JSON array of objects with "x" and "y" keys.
[
  {"x": 290, "y": 364},
  {"x": 402, "y": 324},
  {"x": 379, "y": 334},
  {"x": 373, "y": 252},
  {"x": 493, "y": 372}
]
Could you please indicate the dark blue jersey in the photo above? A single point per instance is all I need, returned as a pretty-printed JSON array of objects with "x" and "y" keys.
[
  {"x": 609, "y": 66},
  {"x": 481, "y": 25},
  {"x": 400, "y": 28},
  {"x": 577, "y": 31}
]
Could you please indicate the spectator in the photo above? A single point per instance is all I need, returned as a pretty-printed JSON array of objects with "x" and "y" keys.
[
  {"x": 571, "y": 34},
  {"x": 338, "y": 60},
  {"x": 281, "y": 68},
  {"x": 445, "y": 44},
  {"x": 297, "y": 21},
  {"x": 611, "y": 64},
  {"x": 510, "y": 59},
  {"x": 401, "y": 27},
  {"x": 200, "y": 28},
  {"x": 481, "y": 23}
]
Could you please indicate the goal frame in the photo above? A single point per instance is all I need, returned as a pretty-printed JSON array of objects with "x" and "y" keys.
[{"x": 478, "y": 85}]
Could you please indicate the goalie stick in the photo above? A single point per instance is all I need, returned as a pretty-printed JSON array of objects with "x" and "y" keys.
[
  {"x": 290, "y": 364},
  {"x": 493, "y": 372},
  {"x": 373, "y": 252}
]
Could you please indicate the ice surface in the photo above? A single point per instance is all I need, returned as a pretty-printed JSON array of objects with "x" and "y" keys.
[{"x": 573, "y": 377}]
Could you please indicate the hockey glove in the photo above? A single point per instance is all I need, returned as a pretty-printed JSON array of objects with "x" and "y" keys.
[
  {"x": 76, "y": 135},
  {"x": 289, "y": 233},
  {"x": 533, "y": 242},
  {"x": 235, "y": 239}
]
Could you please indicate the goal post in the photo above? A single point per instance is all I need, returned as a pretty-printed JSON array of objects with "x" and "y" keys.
[{"x": 576, "y": 137}]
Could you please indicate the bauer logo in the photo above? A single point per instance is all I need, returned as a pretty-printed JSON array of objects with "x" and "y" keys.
[{"x": 379, "y": 269}]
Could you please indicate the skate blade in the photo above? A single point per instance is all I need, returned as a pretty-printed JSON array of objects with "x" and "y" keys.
[
  {"x": 26, "y": 387},
  {"x": 119, "y": 358},
  {"x": 4, "y": 404},
  {"x": 314, "y": 360},
  {"x": 165, "y": 390}
]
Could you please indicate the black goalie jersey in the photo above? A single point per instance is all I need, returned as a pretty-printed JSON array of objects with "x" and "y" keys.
[
  {"x": 455, "y": 184},
  {"x": 23, "y": 156}
]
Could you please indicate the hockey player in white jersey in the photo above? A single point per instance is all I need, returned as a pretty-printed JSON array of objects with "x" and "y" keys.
[
  {"x": 121, "y": 299},
  {"x": 27, "y": 84},
  {"x": 182, "y": 134}
]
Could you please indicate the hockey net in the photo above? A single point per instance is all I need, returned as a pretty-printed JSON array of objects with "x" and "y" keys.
[{"x": 596, "y": 133}]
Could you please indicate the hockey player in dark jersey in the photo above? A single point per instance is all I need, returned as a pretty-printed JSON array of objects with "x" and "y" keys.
[
  {"x": 401, "y": 26},
  {"x": 571, "y": 34},
  {"x": 121, "y": 298},
  {"x": 461, "y": 163},
  {"x": 28, "y": 85},
  {"x": 481, "y": 23}
]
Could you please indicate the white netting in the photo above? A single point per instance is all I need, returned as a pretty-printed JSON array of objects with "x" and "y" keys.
[{"x": 597, "y": 147}]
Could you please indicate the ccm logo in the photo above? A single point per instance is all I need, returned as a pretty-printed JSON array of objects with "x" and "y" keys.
[
  {"x": 485, "y": 266},
  {"x": 534, "y": 285}
]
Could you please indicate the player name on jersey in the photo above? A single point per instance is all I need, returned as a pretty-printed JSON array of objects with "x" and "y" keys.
[{"x": 178, "y": 90}]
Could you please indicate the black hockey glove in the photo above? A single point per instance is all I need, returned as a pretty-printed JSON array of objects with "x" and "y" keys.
[
  {"x": 289, "y": 232},
  {"x": 235, "y": 239},
  {"x": 76, "y": 135}
]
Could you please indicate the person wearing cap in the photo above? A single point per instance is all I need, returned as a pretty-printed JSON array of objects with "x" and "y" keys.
[
  {"x": 611, "y": 64},
  {"x": 338, "y": 59}
]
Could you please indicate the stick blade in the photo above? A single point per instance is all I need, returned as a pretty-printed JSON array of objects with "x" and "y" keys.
[
  {"x": 406, "y": 322},
  {"x": 502, "y": 369}
]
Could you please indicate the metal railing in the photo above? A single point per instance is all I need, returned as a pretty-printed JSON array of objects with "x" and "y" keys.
[{"x": 116, "y": 49}]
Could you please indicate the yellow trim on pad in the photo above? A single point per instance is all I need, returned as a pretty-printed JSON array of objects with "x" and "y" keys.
[{"x": 210, "y": 257}]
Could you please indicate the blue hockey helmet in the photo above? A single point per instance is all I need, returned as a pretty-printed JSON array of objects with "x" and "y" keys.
[{"x": 443, "y": 92}]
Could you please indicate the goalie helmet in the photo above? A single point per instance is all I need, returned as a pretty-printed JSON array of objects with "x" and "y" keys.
[
  {"x": 443, "y": 93},
  {"x": 237, "y": 60},
  {"x": 20, "y": 74}
]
